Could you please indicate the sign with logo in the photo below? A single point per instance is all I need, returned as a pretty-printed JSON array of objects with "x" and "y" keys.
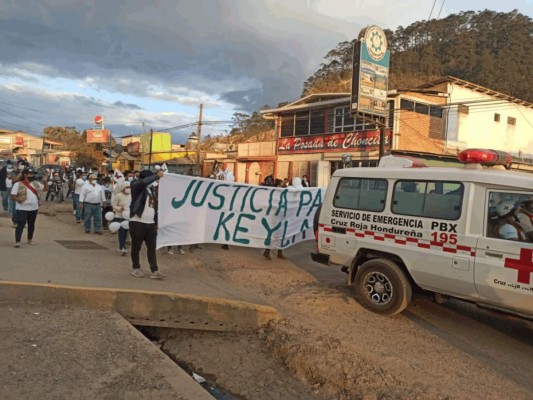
[
  {"x": 98, "y": 135},
  {"x": 370, "y": 74},
  {"x": 339, "y": 142},
  {"x": 234, "y": 213},
  {"x": 5, "y": 140},
  {"x": 19, "y": 141},
  {"x": 98, "y": 120}
]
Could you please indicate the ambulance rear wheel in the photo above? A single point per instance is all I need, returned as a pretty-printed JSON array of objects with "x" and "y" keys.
[{"x": 382, "y": 287}]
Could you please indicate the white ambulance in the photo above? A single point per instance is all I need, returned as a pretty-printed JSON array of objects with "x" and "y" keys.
[{"x": 462, "y": 232}]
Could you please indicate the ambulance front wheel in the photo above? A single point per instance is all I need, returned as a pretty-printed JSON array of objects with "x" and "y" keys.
[{"x": 382, "y": 287}]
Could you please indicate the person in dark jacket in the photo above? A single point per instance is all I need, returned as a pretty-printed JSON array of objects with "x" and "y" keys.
[
  {"x": 143, "y": 222},
  {"x": 3, "y": 188}
]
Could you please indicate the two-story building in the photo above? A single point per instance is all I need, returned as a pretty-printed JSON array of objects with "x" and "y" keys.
[{"x": 318, "y": 134}]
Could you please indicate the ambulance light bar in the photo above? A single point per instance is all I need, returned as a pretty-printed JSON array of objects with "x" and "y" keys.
[{"x": 484, "y": 157}]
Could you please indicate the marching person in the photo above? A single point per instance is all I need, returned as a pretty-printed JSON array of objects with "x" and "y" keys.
[
  {"x": 143, "y": 223},
  {"x": 26, "y": 193},
  {"x": 91, "y": 201},
  {"x": 121, "y": 204}
]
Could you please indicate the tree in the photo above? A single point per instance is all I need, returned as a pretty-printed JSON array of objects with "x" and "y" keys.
[
  {"x": 489, "y": 48},
  {"x": 84, "y": 154}
]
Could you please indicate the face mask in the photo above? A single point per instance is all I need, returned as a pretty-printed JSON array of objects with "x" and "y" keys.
[
  {"x": 84, "y": 178},
  {"x": 127, "y": 191},
  {"x": 107, "y": 185},
  {"x": 130, "y": 179},
  {"x": 31, "y": 178},
  {"x": 10, "y": 169}
]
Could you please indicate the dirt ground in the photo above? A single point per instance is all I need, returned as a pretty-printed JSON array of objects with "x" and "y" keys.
[{"x": 328, "y": 347}]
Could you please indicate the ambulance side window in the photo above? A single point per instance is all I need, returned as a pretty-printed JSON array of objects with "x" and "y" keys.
[
  {"x": 428, "y": 199},
  {"x": 510, "y": 216},
  {"x": 361, "y": 194}
]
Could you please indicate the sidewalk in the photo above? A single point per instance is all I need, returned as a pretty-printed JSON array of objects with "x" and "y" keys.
[{"x": 56, "y": 351}]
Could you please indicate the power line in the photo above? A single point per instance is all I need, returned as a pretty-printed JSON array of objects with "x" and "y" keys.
[
  {"x": 432, "y": 7},
  {"x": 442, "y": 5}
]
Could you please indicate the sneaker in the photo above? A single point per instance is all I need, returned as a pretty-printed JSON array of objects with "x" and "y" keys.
[
  {"x": 266, "y": 254},
  {"x": 157, "y": 275},
  {"x": 17, "y": 245},
  {"x": 31, "y": 242},
  {"x": 137, "y": 272},
  {"x": 170, "y": 251},
  {"x": 124, "y": 252},
  {"x": 74, "y": 212},
  {"x": 181, "y": 251}
]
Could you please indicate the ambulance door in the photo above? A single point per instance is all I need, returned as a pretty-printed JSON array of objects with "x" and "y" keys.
[{"x": 504, "y": 264}]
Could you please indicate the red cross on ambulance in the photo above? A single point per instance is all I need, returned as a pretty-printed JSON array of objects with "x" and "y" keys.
[{"x": 524, "y": 265}]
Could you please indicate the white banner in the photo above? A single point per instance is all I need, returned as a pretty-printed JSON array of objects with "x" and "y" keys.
[{"x": 199, "y": 210}]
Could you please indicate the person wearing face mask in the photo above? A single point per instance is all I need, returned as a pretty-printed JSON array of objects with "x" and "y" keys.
[
  {"x": 91, "y": 201},
  {"x": 26, "y": 193},
  {"x": 121, "y": 207},
  {"x": 14, "y": 176}
]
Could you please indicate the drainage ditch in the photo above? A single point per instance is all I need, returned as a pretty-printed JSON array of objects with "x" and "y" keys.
[{"x": 235, "y": 366}]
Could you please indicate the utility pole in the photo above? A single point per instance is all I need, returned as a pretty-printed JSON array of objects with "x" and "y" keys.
[
  {"x": 150, "y": 157},
  {"x": 199, "y": 135}
]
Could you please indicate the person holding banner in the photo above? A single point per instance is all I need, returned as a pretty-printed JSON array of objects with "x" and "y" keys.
[
  {"x": 143, "y": 222},
  {"x": 27, "y": 193}
]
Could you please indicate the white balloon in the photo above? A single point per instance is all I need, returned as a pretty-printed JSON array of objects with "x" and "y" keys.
[
  {"x": 126, "y": 214},
  {"x": 125, "y": 224},
  {"x": 114, "y": 227},
  {"x": 109, "y": 216},
  {"x": 50, "y": 183},
  {"x": 157, "y": 167}
]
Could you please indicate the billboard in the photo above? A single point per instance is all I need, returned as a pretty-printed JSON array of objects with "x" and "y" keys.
[
  {"x": 370, "y": 73},
  {"x": 358, "y": 141},
  {"x": 98, "y": 135},
  {"x": 161, "y": 141}
]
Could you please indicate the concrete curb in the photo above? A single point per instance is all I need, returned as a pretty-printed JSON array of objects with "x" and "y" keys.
[{"x": 147, "y": 308}]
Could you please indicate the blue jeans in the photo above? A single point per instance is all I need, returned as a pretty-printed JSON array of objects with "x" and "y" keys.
[
  {"x": 11, "y": 205},
  {"x": 80, "y": 214},
  {"x": 122, "y": 234},
  {"x": 94, "y": 212}
]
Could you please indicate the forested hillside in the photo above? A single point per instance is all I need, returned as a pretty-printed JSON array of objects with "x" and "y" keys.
[{"x": 489, "y": 48}]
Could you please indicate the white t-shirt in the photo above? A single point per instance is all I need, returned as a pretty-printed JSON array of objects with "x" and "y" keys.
[
  {"x": 32, "y": 202},
  {"x": 148, "y": 216},
  {"x": 9, "y": 181}
]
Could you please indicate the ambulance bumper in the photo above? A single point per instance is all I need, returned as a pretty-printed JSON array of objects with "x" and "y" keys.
[{"x": 320, "y": 258}]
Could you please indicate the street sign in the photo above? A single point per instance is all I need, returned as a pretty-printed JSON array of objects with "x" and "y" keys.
[
  {"x": 98, "y": 135},
  {"x": 370, "y": 73}
]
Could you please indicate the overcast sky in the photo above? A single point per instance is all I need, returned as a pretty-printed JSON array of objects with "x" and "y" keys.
[{"x": 65, "y": 61}]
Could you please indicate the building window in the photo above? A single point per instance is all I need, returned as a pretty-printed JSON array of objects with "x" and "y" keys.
[
  {"x": 496, "y": 117},
  {"x": 345, "y": 122},
  {"x": 287, "y": 125},
  {"x": 301, "y": 125},
  {"x": 511, "y": 121},
  {"x": 435, "y": 111},
  {"x": 421, "y": 108},
  {"x": 318, "y": 122},
  {"x": 407, "y": 105}
]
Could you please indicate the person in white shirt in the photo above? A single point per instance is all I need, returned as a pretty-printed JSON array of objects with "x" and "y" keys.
[
  {"x": 26, "y": 193},
  {"x": 121, "y": 207},
  {"x": 143, "y": 223},
  {"x": 92, "y": 199}
]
